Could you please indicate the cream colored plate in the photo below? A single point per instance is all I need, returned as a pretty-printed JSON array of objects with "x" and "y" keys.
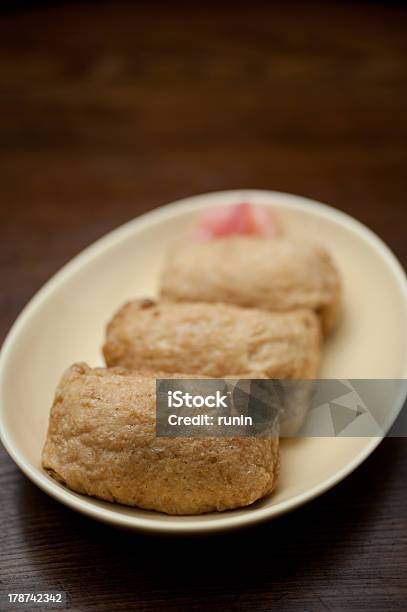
[{"x": 65, "y": 322}]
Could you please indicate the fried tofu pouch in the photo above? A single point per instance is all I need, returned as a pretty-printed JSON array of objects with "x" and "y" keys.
[
  {"x": 278, "y": 274},
  {"x": 216, "y": 340},
  {"x": 101, "y": 441}
]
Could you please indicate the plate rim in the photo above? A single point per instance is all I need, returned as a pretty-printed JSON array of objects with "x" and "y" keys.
[{"x": 225, "y": 521}]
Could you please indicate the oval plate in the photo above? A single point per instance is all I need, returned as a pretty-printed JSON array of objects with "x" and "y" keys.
[{"x": 65, "y": 323}]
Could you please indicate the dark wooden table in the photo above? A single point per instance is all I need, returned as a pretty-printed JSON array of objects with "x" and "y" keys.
[{"x": 111, "y": 109}]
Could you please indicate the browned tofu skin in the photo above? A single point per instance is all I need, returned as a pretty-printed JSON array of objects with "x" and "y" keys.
[
  {"x": 101, "y": 441},
  {"x": 277, "y": 274},
  {"x": 215, "y": 340}
]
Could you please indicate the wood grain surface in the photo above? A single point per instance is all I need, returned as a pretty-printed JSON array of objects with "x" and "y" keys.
[{"x": 109, "y": 109}]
